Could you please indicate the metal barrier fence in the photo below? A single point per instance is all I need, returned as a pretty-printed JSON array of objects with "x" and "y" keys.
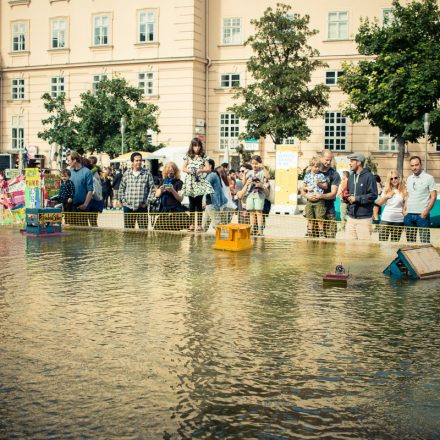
[{"x": 275, "y": 225}]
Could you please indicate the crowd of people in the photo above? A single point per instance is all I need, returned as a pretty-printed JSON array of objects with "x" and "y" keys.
[{"x": 215, "y": 194}]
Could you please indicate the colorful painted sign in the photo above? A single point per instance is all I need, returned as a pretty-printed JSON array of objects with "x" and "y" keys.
[
  {"x": 33, "y": 188},
  {"x": 55, "y": 217},
  {"x": 52, "y": 183},
  {"x": 286, "y": 179},
  {"x": 12, "y": 173},
  {"x": 32, "y": 177}
]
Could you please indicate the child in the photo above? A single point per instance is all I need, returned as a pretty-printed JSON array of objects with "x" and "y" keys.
[
  {"x": 256, "y": 192},
  {"x": 314, "y": 184},
  {"x": 67, "y": 191}
]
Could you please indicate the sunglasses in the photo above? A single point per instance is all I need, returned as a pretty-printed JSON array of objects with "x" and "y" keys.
[
  {"x": 394, "y": 178},
  {"x": 242, "y": 171}
]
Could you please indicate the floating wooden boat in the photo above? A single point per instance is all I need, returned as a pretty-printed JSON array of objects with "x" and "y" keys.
[{"x": 339, "y": 276}]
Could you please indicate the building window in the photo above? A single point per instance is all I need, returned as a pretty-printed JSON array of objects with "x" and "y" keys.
[
  {"x": 231, "y": 31},
  {"x": 17, "y": 133},
  {"x": 17, "y": 89},
  {"x": 332, "y": 77},
  {"x": 58, "y": 40},
  {"x": 229, "y": 130},
  {"x": 96, "y": 80},
  {"x": 229, "y": 80},
  {"x": 146, "y": 83},
  {"x": 288, "y": 141},
  {"x": 338, "y": 25},
  {"x": 386, "y": 142},
  {"x": 387, "y": 16},
  {"x": 19, "y": 37},
  {"x": 101, "y": 30},
  {"x": 147, "y": 27},
  {"x": 56, "y": 86},
  {"x": 437, "y": 147},
  {"x": 335, "y": 131}
]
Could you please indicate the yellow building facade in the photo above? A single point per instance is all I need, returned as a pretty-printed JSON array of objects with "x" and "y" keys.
[{"x": 186, "y": 55}]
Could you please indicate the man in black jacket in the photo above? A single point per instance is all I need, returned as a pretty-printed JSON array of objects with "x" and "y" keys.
[{"x": 362, "y": 189}]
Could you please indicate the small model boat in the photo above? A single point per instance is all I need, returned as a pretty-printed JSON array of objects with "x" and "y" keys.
[{"x": 339, "y": 276}]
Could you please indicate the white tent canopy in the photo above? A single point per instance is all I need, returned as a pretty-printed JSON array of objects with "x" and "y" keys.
[{"x": 170, "y": 154}]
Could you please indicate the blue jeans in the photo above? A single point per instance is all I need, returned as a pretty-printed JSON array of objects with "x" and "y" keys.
[
  {"x": 132, "y": 215},
  {"x": 414, "y": 223}
]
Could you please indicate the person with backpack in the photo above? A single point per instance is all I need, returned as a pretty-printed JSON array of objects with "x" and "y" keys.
[
  {"x": 96, "y": 205},
  {"x": 117, "y": 177}
]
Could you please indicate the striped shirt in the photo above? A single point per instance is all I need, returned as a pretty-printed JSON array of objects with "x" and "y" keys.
[{"x": 136, "y": 191}]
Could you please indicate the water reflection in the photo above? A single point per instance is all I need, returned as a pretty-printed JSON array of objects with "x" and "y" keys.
[{"x": 112, "y": 334}]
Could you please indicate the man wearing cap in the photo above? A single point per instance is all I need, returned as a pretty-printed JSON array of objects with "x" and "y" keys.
[
  {"x": 362, "y": 189},
  {"x": 422, "y": 195}
]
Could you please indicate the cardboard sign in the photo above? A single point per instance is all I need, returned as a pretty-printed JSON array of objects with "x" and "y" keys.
[{"x": 286, "y": 179}]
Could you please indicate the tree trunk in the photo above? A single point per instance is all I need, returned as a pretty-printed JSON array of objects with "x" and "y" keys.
[{"x": 400, "y": 154}]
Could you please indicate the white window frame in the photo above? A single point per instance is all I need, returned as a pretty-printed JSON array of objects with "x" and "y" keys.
[
  {"x": 18, "y": 89},
  {"x": 146, "y": 83},
  {"x": 17, "y": 132},
  {"x": 229, "y": 130},
  {"x": 19, "y": 36},
  {"x": 291, "y": 140},
  {"x": 335, "y": 131},
  {"x": 96, "y": 80},
  {"x": 101, "y": 31},
  {"x": 386, "y": 143},
  {"x": 147, "y": 26},
  {"x": 232, "y": 31},
  {"x": 57, "y": 86},
  {"x": 229, "y": 80},
  {"x": 334, "y": 20},
  {"x": 387, "y": 16},
  {"x": 58, "y": 33},
  {"x": 337, "y": 73}
]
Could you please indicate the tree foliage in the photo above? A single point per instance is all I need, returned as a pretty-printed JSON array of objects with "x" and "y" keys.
[
  {"x": 281, "y": 100},
  {"x": 400, "y": 79},
  {"x": 62, "y": 129},
  {"x": 94, "y": 124}
]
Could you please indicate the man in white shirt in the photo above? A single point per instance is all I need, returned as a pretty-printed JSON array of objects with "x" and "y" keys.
[{"x": 422, "y": 195}]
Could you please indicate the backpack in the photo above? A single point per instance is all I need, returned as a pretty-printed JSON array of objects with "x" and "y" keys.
[{"x": 97, "y": 187}]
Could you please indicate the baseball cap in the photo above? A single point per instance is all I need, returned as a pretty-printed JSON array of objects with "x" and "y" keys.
[{"x": 357, "y": 156}]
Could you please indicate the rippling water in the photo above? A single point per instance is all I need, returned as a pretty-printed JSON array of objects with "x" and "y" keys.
[{"x": 106, "y": 334}]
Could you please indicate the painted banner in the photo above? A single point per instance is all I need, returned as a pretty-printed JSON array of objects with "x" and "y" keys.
[
  {"x": 12, "y": 192},
  {"x": 286, "y": 179}
]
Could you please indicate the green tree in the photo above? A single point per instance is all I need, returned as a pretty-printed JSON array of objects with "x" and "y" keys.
[
  {"x": 99, "y": 116},
  {"x": 400, "y": 79},
  {"x": 94, "y": 124},
  {"x": 281, "y": 100},
  {"x": 62, "y": 129}
]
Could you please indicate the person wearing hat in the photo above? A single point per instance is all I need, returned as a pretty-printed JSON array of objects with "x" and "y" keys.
[{"x": 362, "y": 192}]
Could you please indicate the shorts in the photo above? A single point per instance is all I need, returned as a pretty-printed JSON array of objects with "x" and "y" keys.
[
  {"x": 116, "y": 194},
  {"x": 254, "y": 204},
  {"x": 315, "y": 209}
]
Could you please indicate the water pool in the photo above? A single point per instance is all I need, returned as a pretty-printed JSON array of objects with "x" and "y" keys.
[{"x": 106, "y": 334}]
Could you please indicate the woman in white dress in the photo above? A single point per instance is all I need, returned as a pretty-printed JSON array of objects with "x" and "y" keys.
[{"x": 393, "y": 199}]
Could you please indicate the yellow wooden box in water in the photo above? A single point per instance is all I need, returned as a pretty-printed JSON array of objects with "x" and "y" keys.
[{"x": 233, "y": 237}]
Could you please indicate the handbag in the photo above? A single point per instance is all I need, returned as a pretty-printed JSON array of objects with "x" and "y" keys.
[{"x": 155, "y": 205}]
